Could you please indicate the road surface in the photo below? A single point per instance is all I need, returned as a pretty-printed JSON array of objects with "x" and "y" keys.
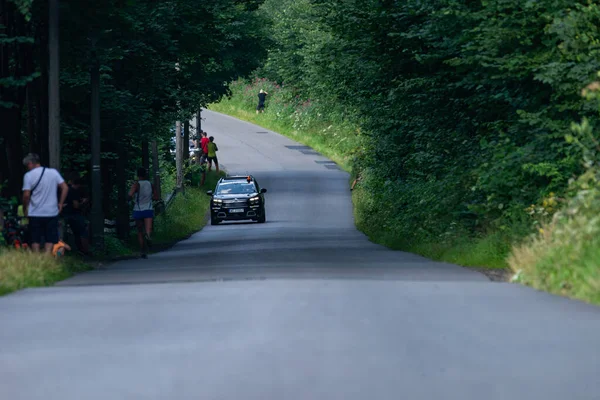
[{"x": 302, "y": 307}]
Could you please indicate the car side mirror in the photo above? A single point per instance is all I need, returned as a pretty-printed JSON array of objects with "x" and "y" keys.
[
  {"x": 263, "y": 190},
  {"x": 209, "y": 192}
]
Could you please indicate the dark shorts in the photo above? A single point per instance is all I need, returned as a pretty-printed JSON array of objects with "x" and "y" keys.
[
  {"x": 213, "y": 159},
  {"x": 260, "y": 106},
  {"x": 43, "y": 227},
  {"x": 143, "y": 214},
  {"x": 77, "y": 224}
]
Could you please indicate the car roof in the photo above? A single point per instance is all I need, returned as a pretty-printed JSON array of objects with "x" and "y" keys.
[{"x": 238, "y": 178}]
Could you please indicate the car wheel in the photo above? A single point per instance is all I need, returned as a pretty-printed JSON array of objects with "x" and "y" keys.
[
  {"x": 214, "y": 221},
  {"x": 263, "y": 218}
]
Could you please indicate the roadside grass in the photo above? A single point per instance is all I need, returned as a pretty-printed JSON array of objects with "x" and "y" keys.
[
  {"x": 487, "y": 251},
  {"x": 564, "y": 256},
  {"x": 186, "y": 215},
  {"x": 22, "y": 269}
]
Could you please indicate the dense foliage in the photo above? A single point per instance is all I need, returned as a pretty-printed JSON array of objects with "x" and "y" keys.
[
  {"x": 463, "y": 106},
  {"x": 563, "y": 257},
  {"x": 138, "y": 44}
]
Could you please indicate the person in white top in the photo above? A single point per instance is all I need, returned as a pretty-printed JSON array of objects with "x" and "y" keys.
[
  {"x": 40, "y": 202},
  {"x": 142, "y": 192}
]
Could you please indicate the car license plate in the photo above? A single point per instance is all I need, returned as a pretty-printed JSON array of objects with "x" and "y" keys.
[{"x": 236, "y": 210}]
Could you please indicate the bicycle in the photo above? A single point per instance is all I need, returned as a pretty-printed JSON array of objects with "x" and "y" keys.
[{"x": 15, "y": 233}]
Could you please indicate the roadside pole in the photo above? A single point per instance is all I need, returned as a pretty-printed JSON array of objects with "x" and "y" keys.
[
  {"x": 97, "y": 215},
  {"x": 178, "y": 156},
  {"x": 53, "y": 85},
  {"x": 145, "y": 156},
  {"x": 156, "y": 169},
  {"x": 186, "y": 141}
]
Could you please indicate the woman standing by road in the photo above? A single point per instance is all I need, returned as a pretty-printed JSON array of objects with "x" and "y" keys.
[{"x": 143, "y": 209}]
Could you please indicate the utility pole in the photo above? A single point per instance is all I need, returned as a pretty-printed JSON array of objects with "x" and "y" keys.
[
  {"x": 145, "y": 156},
  {"x": 179, "y": 156},
  {"x": 53, "y": 85},
  {"x": 156, "y": 169},
  {"x": 97, "y": 215},
  {"x": 186, "y": 141}
]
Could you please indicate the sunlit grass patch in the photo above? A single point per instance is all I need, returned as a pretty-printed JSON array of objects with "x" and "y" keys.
[
  {"x": 187, "y": 214},
  {"x": 564, "y": 256},
  {"x": 22, "y": 269}
]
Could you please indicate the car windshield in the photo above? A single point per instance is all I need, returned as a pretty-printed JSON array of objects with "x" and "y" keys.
[{"x": 236, "y": 188}]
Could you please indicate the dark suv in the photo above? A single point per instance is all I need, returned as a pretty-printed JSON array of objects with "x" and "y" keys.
[{"x": 237, "y": 198}]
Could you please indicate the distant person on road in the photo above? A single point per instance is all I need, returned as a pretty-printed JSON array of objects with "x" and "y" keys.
[
  {"x": 212, "y": 154},
  {"x": 143, "y": 209},
  {"x": 41, "y": 203},
  {"x": 204, "y": 145},
  {"x": 262, "y": 96}
]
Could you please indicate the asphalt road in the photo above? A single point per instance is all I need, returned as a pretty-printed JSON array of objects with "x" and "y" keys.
[{"x": 302, "y": 307}]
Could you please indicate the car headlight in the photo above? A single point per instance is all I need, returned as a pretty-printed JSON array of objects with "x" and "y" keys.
[
  {"x": 217, "y": 201},
  {"x": 255, "y": 198}
]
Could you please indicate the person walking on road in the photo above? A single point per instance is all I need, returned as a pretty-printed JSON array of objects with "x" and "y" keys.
[
  {"x": 41, "y": 204},
  {"x": 212, "y": 154},
  {"x": 262, "y": 96},
  {"x": 143, "y": 209}
]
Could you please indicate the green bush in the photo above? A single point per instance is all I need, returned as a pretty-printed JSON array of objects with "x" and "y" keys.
[
  {"x": 564, "y": 256},
  {"x": 187, "y": 213}
]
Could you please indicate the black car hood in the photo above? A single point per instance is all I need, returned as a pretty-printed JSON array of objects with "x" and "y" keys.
[{"x": 234, "y": 196}]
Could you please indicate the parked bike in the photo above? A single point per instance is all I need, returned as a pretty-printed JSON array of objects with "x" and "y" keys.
[{"x": 15, "y": 233}]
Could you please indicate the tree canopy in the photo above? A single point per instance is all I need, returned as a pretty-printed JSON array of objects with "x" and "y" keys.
[
  {"x": 464, "y": 105},
  {"x": 159, "y": 62}
]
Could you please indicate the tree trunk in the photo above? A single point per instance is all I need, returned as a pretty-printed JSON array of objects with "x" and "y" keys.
[
  {"x": 42, "y": 98},
  {"x": 145, "y": 157},
  {"x": 31, "y": 136},
  {"x": 13, "y": 152},
  {"x": 97, "y": 215},
  {"x": 54, "y": 85},
  {"x": 186, "y": 141},
  {"x": 156, "y": 169},
  {"x": 179, "y": 155},
  {"x": 122, "y": 208}
]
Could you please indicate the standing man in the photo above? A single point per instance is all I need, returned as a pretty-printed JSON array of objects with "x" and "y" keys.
[
  {"x": 212, "y": 154},
  {"x": 40, "y": 202},
  {"x": 262, "y": 96}
]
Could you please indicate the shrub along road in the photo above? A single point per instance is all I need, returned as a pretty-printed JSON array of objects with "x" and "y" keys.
[{"x": 303, "y": 306}]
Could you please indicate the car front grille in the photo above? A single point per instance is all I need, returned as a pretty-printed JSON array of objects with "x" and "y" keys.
[{"x": 235, "y": 204}]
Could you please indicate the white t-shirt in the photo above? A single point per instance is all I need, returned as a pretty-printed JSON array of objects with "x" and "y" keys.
[{"x": 44, "y": 199}]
